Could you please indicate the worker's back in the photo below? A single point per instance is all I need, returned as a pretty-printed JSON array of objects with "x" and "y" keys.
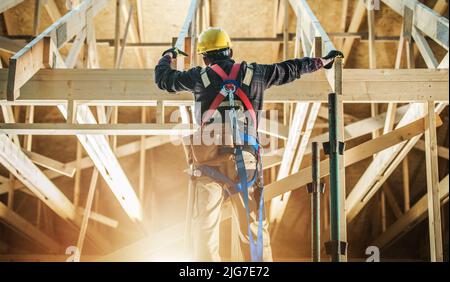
[{"x": 225, "y": 154}]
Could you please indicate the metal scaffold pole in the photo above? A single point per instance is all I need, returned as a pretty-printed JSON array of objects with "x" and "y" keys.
[
  {"x": 315, "y": 189},
  {"x": 337, "y": 246}
]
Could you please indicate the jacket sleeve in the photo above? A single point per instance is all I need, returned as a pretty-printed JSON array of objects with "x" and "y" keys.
[
  {"x": 288, "y": 71},
  {"x": 173, "y": 80}
]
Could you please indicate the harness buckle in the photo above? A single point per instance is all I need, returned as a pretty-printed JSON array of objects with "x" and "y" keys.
[
  {"x": 194, "y": 172},
  {"x": 227, "y": 89}
]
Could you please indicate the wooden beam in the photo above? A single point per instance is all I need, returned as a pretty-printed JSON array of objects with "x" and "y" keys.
[
  {"x": 135, "y": 87},
  {"x": 117, "y": 29},
  {"x": 87, "y": 213},
  {"x": 52, "y": 10},
  {"x": 51, "y": 164},
  {"x": 273, "y": 128},
  {"x": 371, "y": 25},
  {"x": 10, "y": 46},
  {"x": 312, "y": 27},
  {"x": 86, "y": 162},
  {"x": 74, "y": 52},
  {"x": 133, "y": 34},
  {"x": 97, "y": 129},
  {"x": 285, "y": 15},
  {"x": 100, "y": 218},
  {"x": 343, "y": 23},
  {"x": 443, "y": 152},
  {"x": 433, "y": 197},
  {"x": 352, "y": 156},
  {"x": 96, "y": 146},
  {"x": 119, "y": 59},
  {"x": 140, "y": 250},
  {"x": 406, "y": 186},
  {"x": 383, "y": 165},
  {"x": 355, "y": 23},
  {"x": 411, "y": 218},
  {"x": 425, "y": 49},
  {"x": 27, "y": 62},
  {"x": 426, "y": 20},
  {"x": 12, "y": 157},
  {"x": 36, "y": 17},
  {"x": 140, "y": 20},
  {"x": 18, "y": 223},
  {"x": 8, "y": 4},
  {"x": 277, "y": 204},
  {"x": 142, "y": 150}
]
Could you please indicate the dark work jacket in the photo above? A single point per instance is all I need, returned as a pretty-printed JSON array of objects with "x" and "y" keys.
[{"x": 264, "y": 76}]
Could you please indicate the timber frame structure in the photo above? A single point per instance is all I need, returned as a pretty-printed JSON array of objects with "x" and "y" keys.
[{"x": 89, "y": 98}]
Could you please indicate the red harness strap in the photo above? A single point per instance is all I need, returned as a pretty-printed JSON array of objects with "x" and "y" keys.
[{"x": 219, "y": 98}]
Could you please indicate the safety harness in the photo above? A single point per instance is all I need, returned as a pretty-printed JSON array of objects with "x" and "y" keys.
[{"x": 242, "y": 141}]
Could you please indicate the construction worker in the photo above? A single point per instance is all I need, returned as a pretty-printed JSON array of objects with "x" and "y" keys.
[{"x": 232, "y": 94}]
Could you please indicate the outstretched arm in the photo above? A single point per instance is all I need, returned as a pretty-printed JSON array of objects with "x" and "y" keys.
[
  {"x": 173, "y": 80},
  {"x": 290, "y": 70}
]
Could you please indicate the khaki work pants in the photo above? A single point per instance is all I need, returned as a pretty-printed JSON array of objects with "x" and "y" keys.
[{"x": 209, "y": 198}]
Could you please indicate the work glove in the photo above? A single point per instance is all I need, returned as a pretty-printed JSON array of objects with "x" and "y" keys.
[
  {"x": 174, "y": 51},
  {"x": 328, "y": 60}
]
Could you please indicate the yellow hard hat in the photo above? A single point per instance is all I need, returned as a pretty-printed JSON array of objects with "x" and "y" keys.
[{"x": 213, "y": 38}]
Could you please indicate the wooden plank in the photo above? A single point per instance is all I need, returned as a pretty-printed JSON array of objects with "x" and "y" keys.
[
  {"x": 184, "y": 32},
  {"x": 312, "y": 28},
  {"x": 355, "y": 23},
  {"x": 383, "y": 165},
  {"x": 97, "y": 129},
  {"x": 8, "y": 4},
  {"x": 51, "y": 164},
  {"x": 117, "y": 30},
  {"x": 140, "y": 250},
  {"x": 10, "y": 46},
  {"x": 12, "y": 157},
  {"x": 371, "y": 26},
  {"x": 87, "y": 213},
  {"x": 352, "y": 156},
  {"x": 425, "y": 19},
  {"x": 129, "y": 87},
  {"x": 18, "y": 223},
  {"x": 77, "y": 45},
  {"x": 125, "y": 9},
  {"x": 406, "y": 186},
  {"x": 52, "y": 10},
  {"x": 119, "y": 59},
  {"x": 142, "y": 150},
  {"x": 100, "y": 218},
  {"x": 411, "y": 218},
  {"x": 443, "y": 152},
  {"x": 424, "y": 49},
  {"x": 277, "y": 204},
  {"x": 433, "y": 197},
  {"x": 86, "y": 162},
  {"x": 27, "y": 62},
  {"x": 343, "y": 23}
]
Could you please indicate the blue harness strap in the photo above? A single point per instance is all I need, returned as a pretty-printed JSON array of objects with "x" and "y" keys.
[
  {"x": 256, "y": 248},
  {"x": 230, "y": 87}
]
